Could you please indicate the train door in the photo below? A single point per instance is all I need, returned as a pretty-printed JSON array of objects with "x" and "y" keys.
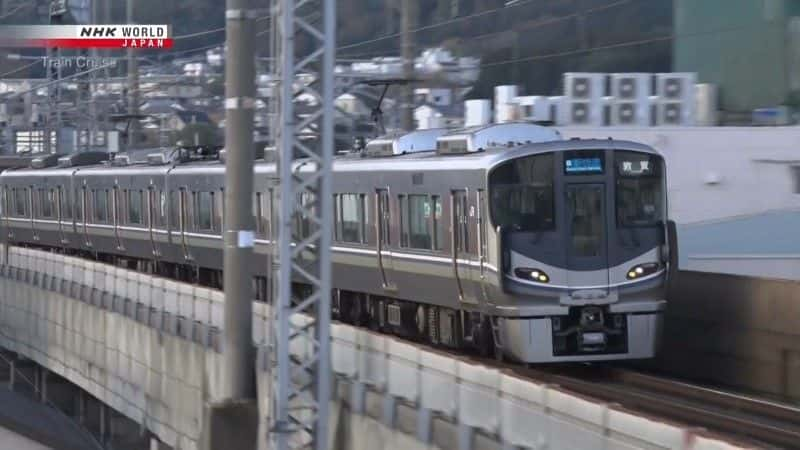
[
  {"x": 587, "y": 250},
  {"x": 384, "y": 238},
  {"x": 481, "y": 214},
  {"x": 61, "y": 209},
  {"x": 183, "y": 213},
  {"x": 6, "y": 213},
  {"x": 117, "y": 211},
  {"x": 84, "y": 201},
  {"x": 463, "y": 249},
  {"x": 33, "y": 212},
  {"x": 152, "y": 211}
]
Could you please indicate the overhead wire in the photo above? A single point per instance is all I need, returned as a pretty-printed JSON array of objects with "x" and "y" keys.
[
  {"x": 438, "y": 24},
  {"x": 18, "y": 9},
  {"x": 540, "y": 24},
  {"x": 19, "y": 69}
]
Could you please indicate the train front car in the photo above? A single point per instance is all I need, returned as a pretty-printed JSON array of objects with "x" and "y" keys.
[{"x": 581, "y": 233}]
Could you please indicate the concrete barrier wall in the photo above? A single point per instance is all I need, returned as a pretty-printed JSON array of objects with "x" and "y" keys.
[
  {"x": 736, "y": 330},
  {"x": 150, "y": 348}
]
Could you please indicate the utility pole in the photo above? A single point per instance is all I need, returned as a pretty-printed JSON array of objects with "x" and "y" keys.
[
  {"x": 301, "y": 382},
  {"x": 408, "y": 21},
  {"x": 133, "y": 85},
  {"x": 238, "y": 239},
  {"x": 56, "y": 16}
]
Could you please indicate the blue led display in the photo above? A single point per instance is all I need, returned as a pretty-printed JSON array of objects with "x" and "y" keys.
[{"x": 583, "y": 165}]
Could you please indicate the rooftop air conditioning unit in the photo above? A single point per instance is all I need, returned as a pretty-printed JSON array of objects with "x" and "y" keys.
[
  {"x": 676, "y": 99},
  {"x": 584, "y": 86},
  {"x": 559, "y": 113},
  {"x": 534, "y": 108},
  {"x": 585, "y": 92},
  {"x": 630, "y": 105}
]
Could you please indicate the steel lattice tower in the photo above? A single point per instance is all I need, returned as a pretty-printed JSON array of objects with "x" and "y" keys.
[{"x": 301, "y": 374}]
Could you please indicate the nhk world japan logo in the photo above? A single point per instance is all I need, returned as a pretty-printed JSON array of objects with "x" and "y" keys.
[{"x": 86, "y": 36}]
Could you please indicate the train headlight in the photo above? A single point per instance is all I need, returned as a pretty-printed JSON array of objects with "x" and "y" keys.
[
  {"x": 642, "y": 270},
  {"x": 536, "y": 275}
]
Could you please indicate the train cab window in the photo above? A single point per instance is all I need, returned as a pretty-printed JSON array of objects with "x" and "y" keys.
[
  {"x": 521, "y": 193},
  {"x": 65, "y": 210},
  {"x": 20, "y": 197},
  {"x": 351, "y": 213},
  {"x": 204, "y": 210},
  {"x": 640, "y": 189},
  {"x": 416, "y": 212},
  {"x": 100, "y": 205},
  {"x": 135, "y": 200}
]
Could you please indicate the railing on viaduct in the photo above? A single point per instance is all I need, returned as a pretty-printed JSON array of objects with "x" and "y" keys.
[{"x": 150, "y": 348}]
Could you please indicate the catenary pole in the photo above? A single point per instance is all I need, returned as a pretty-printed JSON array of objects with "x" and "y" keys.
[
  {"x": 408, "y": 19},
  {"x": 301, "y": 374}
]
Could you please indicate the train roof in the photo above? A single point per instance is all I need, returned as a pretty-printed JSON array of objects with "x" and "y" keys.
[{"x": 419, "y": 161}]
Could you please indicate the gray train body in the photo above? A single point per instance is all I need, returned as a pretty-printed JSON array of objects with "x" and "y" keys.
[{"x": 506, "y": 250}]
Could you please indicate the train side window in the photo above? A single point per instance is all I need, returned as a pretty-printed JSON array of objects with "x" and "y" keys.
[
  {"x": 116, "y": 206},
  {"x": 353, "y": 220},
  {"x": 337, "y": 218},
  {"x": 46, "y": 203},
  {"x": 258, "y": 210},
  {"x": 219, "y": 209},
  {"x": 436, "y": 205},
  {"x": 20, "y": 202},
  {"x": 204, "y": 207},
  {"x": 401, "y": 200},
  {"x": 78, "y": 199},
  {"x": 64, "y": 205},
  {"x": 419, "y": 213},
  {"x": 100, "y": 204},
  {"x": 415, "y": 217},
  {"x": 305, "y": 207},
  {"x": 175, "y": 210},
  {"x": 162, "y": 202},
  {"x": 135, "y": 207}
]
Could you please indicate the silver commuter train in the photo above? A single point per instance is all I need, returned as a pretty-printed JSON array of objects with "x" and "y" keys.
[{"x": 542, "y": 252}]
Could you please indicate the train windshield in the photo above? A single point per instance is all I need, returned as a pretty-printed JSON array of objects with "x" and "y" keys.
[
  {"x": 640, "y": 189},
  {"x": 521, "y": 193}
]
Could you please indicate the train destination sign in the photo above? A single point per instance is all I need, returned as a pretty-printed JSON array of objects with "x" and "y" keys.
[
  {"x": 583, "y": 165},
  {"x": 637, "y": 167}
]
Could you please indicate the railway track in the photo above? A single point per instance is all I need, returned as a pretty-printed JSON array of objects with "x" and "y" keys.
[{"x": 764, "y": 423}]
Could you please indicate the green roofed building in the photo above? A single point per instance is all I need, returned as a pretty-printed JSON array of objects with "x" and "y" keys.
[{"x": 750, "y": 49}]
